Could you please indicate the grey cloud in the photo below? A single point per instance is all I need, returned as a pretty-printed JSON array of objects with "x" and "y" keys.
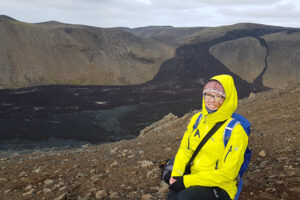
[
  {"x": 284, "y": 14},
  {"x": 279, "y": 11},
  {"x": 134, "y": 13},
  {"x": 216, "y": 3}
]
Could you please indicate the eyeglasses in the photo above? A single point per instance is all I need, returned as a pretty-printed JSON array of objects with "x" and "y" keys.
[{"x": 214, "y": 97}]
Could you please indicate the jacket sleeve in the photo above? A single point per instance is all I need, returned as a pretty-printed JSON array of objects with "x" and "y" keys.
[
  {"x": 228, "y": 166},
  {"x": 184, "y": 154}
]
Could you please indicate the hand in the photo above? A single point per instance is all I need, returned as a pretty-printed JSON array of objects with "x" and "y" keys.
[
  {"x": 178, "y": 185},
  {"x": 172, "y": 180}
]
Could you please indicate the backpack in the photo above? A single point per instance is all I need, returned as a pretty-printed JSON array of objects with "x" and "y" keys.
[{"x": 237, "y": 119}]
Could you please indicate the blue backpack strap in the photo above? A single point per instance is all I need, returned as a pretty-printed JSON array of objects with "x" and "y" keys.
[
  {"x": 239, "y": 189},
  {"x": 228, "y": 129},
  {"x": 247, "y": 157},
  {"x": 236, "y": 119},
  {"x": 195, "y": 127},
  {"x": 244, "y": 122},
  {"x": 227, "y": 133},
  {"x": 239, "y": 119},
  {"x": 197, "y": 122}
]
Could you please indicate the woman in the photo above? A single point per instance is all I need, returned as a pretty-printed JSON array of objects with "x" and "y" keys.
[{"x": 215, "y": 168}]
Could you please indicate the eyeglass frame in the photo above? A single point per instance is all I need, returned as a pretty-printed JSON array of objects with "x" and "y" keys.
[{"x": 215, "y": 97}]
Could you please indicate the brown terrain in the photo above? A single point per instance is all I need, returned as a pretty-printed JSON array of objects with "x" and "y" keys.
[
  {"x": 56, "y": 53},
  {"x": 130, "y": 169}
]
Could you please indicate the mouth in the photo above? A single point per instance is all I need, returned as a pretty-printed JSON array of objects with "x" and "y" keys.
[{"x": 211, "y": 107}]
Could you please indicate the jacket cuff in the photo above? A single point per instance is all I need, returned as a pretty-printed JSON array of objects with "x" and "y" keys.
[
  {"x": 178, "y": 185},
  {"x": 176, "y": 173}
]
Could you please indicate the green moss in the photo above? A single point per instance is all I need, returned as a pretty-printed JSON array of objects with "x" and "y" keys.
[{"x": 18, "y": 23}]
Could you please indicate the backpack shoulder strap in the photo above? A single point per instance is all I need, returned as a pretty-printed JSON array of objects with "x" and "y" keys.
[
  {"x": 243, "y": 121},
  {"x": 234, "y": 121},
  {"x": 228, "y": 129},
  {"x": 195, "y": 127},
  {"x": 197, "y": 122}
]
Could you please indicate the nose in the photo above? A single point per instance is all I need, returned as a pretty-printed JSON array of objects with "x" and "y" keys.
[{"x": 212, "y": 98}]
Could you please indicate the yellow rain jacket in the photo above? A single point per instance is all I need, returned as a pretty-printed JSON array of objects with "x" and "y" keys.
[{"x": 214, "y": 165}]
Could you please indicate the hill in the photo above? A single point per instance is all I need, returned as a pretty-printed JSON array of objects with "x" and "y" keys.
[
  {"x": 56, "y": 53},
  {"x": 129, "y": 169},
  {"x": 174, "y": 36},
  {"x": 249, "y": 51}
]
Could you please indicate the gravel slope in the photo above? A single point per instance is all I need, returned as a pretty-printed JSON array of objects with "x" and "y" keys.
[{"x": 129, "y": 169}]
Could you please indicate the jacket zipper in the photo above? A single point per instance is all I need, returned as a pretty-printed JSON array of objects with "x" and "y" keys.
[
  {"x": 230, "y": 149},
  {"x": 217, "y": 164}
]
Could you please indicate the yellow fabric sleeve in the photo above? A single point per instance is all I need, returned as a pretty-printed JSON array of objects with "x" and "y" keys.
[{"x": 184, "y": 154}]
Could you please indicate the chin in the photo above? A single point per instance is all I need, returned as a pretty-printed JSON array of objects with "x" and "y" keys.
[{"x": 212, "y": 108}]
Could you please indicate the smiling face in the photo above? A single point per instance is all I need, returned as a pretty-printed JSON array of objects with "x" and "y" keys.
[
  {"x": 214, "y": 94},
  {"x": 213, "y": 100}
]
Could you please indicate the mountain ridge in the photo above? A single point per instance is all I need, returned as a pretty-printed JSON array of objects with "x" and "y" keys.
[{"x": 56, "y": 53}]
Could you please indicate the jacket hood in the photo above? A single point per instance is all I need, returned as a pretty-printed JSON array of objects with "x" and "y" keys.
[{"x": 230, "y": 103}]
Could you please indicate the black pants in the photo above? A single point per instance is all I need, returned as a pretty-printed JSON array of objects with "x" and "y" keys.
[{"x": 199, "y": 193}]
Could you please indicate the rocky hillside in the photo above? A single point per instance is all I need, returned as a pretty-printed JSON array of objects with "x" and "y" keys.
[
  {"x": 274, "y": 56},
  {"x": 258, "y": 54},
  {"x": 283, "y": 60},
  {"x": 172, "y": 35},
  {"x": 55, "y": 53},
  {"x": 129, "y": 169}
]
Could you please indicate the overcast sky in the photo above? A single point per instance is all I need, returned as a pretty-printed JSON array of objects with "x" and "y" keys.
[{"x": 138, "y": 13}]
